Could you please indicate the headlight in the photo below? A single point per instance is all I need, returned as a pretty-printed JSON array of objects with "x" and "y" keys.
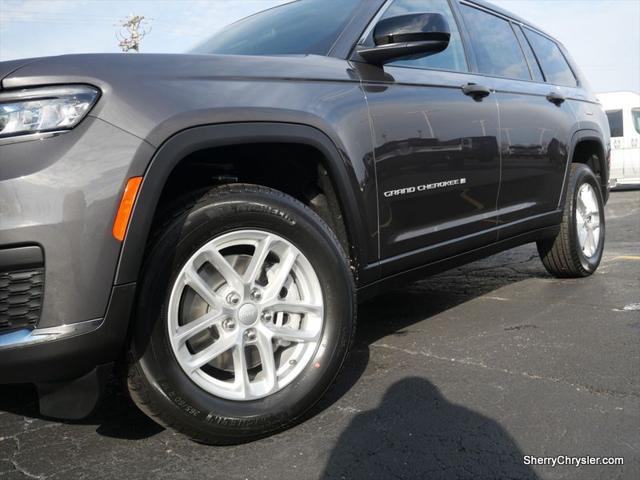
[{"x": 45, "y": 109}]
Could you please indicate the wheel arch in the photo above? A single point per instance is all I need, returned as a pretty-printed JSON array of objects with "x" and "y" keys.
[
  {"x": 589, "y": 140},
  {"x": 179, "y": 146}
]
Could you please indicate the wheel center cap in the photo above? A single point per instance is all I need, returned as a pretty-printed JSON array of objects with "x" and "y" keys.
[{"x": 248, "y": 314}]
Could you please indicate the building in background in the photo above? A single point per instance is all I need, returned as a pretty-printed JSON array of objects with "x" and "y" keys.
[{"x": 623, "y": 112}]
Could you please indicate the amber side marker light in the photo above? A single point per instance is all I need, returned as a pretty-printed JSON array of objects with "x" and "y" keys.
[{"x": 126, "y": 206}]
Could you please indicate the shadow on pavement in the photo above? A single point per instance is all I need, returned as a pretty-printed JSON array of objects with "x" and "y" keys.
[
  {"x": 116, "y": 416},
  {"x": 416, "y": 433}
]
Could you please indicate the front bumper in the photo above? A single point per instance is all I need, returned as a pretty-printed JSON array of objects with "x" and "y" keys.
[
  {"x": 60, "y": 314},
  {"x": 66, "y": 352},
  {"x": 61, "y": 194}
]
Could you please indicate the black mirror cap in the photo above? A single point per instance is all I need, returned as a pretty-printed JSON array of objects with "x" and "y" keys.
[
  {"x": 417, "y": 27},
  {"x": 404, "y": 35}
]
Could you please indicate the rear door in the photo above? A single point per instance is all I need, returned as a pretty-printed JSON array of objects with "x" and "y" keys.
[
  {"x": 536, "y": 122},
  {"x": 435, "y": 150}
]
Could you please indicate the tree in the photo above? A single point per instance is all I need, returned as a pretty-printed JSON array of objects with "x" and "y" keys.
[{"x": 135, "y": 32}]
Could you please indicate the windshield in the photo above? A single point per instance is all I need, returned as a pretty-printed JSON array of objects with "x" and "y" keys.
[{"x": 300, "y": 27}]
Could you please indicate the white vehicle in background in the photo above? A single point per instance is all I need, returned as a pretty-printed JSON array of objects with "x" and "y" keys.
[{"x": 623, "y": 112}]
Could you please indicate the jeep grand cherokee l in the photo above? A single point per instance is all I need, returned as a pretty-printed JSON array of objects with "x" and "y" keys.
[{"x": 209, "y": 219}]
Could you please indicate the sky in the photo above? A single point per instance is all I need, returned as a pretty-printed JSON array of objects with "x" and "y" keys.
[{"x": 602, "y": 35}]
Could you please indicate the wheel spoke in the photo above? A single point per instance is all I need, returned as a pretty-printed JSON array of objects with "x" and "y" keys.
[
  {"x": 259, "y": 256},
  {"x": 241, "y": 380},
  {"x": 591, "y": 242},
  {"x": 185, "y": 332},
  {"x": 587, "y": 199},
  {"x": 287, "y": 259},
  {"x": 195, "y": 281},
  {"x": 582, "y": 235},
  {"x": 591, "y": 201},
  {"x": 581, "y": 207},
  {"x": 224, "y": 268},
  {"x": 294, "y": 307},
  {"x": 293, "y": 335},
  {"x": 212, "y": 351},
  {"x": 265, "y": 348},
  {"x": 596, "y": 237}
]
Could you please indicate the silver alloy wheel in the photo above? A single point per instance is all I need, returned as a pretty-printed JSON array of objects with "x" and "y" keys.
[
  {"x": 588, "y": 220},
  {"x": 245, "y": 315}
]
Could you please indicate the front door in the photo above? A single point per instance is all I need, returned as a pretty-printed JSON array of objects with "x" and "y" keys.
[{"x": 435, "y": 149}]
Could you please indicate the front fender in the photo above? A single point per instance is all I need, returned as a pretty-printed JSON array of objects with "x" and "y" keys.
[{"x": 198, "y": 138}]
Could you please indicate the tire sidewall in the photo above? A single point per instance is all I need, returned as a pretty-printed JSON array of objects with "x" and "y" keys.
[
  {"x": 583, "y": 175},
  {"x": 188, "y": 402}
]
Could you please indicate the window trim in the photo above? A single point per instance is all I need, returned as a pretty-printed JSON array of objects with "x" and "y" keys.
[
  {"x": 518, "y": 27},
  {"x": 454, "y": 12}
]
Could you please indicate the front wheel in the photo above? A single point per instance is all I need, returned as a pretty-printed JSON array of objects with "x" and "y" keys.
[
  {"x": 577, "y": 249},
  {"x": 245, "y": 316}
]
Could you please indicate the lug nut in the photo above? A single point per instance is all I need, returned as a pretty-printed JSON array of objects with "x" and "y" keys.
[
  {"x": 233, "y": 298},
  {"x": 267, "y": 316},
  {"x": 256, "y": 295},
  {"x": 228, "y": 324},
  {"x": 250, "y": 334}
]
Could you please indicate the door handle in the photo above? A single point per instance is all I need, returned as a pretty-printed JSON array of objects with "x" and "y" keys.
[
  {"x": 556, "y": 98},
  {"x": 476, "y": 91}
]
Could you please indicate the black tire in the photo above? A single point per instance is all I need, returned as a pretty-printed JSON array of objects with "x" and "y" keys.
[
  {"x": 562, "y": 256},
  {"x": 156, "y": 382}
]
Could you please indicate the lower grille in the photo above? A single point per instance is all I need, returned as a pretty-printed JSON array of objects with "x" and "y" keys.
[{"x": 20, "y": 298}]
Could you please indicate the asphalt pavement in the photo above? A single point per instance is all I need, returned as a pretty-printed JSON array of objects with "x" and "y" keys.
[{"x": 460, "y": 375}]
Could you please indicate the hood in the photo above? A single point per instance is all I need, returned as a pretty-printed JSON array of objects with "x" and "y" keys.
[
  {"x": 10, "y": 66},
  {"x": 152, "y": 96},
  {"x": 103, "y": 70}
]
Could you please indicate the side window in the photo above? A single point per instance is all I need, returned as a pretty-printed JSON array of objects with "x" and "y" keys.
[
  {"x": 635, "y": 115},
  {"x": 452, "y": 58},
  {"x": 552, "y": 61},
  {"x": 615, "y": 123},
  {"x": 534, "y": 67},
  {"x": 495, "y": 44}
]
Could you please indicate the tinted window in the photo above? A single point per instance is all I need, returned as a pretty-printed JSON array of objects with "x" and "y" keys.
[
  {"x": 528, "y": 53},
  {"x": 554, "y": 65},
  {"x": 452, "y": 58},
  {"x": 615, "y": 123},
  {"x": 495, "y": 44},
  {"x": 302, "y": 27}
]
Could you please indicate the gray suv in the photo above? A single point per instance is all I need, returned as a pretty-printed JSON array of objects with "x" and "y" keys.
[{"x": 208, "y": 220}]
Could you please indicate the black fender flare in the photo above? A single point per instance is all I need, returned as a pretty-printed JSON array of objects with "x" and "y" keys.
[
  {"x": 580, "y": 136},
  {"x": 193, "y": 139}
]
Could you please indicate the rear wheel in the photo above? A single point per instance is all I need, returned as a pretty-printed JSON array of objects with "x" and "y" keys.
[
  {"x": 245, "y": 316},
  {"x": 577, "y": 249}
]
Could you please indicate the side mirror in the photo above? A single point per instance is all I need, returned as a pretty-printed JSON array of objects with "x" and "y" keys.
[{"x": 417, "y": 34}]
